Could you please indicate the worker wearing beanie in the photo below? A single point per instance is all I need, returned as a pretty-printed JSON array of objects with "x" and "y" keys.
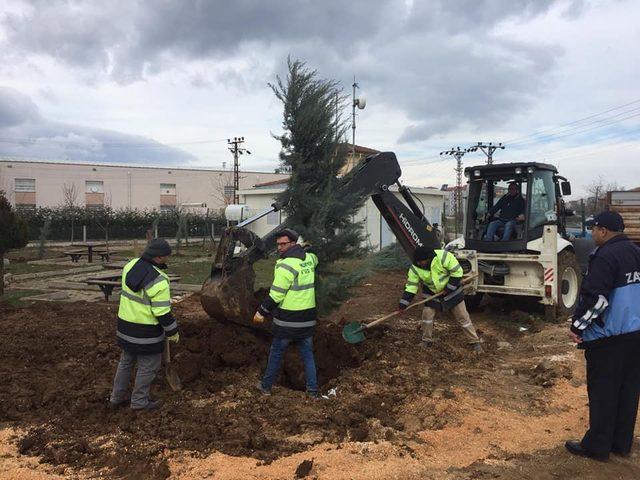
[
  {"x": 144, "y": 321},
  {"x": 438, "y": 270}
]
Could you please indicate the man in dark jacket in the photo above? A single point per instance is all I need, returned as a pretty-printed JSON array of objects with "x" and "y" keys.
[
  {"x": 511, "y": 207},
  {"x": 606, "y": 324},
  {"x": 292, "y": 304},
  {"x": 144, "y": 321}
]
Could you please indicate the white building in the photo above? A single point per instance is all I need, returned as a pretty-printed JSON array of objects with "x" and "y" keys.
[
  {"x": 376, "y": 229},
  {"x": 29, "y": 184}
]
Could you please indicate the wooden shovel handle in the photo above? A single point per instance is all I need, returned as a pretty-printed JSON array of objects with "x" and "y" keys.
[{"x": 425, "y": 300}]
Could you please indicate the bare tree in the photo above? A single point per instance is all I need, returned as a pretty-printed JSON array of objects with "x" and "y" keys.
[
  {"x": 69, "y": 199},
  {"x": 222, "y": 188},
  {"x": 597, "y": 191},
  {"x": 69, "y": 194}
]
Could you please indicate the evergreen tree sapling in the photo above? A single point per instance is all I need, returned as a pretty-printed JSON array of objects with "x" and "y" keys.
[{"x": 312, "y": 151}]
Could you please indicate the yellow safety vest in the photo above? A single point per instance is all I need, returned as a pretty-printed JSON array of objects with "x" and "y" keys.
[
  {"x": 443, "y": 266},
  {"x": 293, "y": 285},
  {"x": 153, "y": 300}
]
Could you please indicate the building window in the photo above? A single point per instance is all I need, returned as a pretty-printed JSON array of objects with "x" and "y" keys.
[
  {"x": 93, "y": 186},
  {"x": 273, "y": 218},
  {"x": 94, "y": 194},
  {"x": 167, "y": 197},
  {"x": 25, "y": 193},
  {"x": 25, "y": 185},
  {"x": 167, "y": 189}
]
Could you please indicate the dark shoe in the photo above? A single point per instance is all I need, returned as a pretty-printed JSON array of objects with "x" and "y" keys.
[
  {"x": 477, "y": 349},
  {"x": 314, "y": 395},
  {"x": 426, "y": 343},
  {"x": 152, "y": 405},
  {"x": 576, "y": 448},
  {"x": 117, "y": 405},
  {"x": 262, "y": 390}
]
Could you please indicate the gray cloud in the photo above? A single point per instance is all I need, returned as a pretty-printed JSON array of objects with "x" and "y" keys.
[
  {"x": 441, "y": 62},
  {"x": 24, "y": 133},
  {"x": 16, "y": 108}
]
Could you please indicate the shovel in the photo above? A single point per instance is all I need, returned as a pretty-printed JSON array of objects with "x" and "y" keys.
[
  {"x": 172, "y": 375},
  {"x": 354, "y": 332}
]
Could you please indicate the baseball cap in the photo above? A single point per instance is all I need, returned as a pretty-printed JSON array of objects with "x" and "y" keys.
[{"x": 612, "y": 221}]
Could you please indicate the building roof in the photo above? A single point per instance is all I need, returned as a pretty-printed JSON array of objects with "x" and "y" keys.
[
  {"x": 124, "y": 165},
  {"x": 272, "y": 183}
]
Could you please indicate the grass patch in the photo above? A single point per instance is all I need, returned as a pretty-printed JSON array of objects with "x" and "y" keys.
[
  {"x": 19, "y": 268},
  {"x": 15, "y": 297}
]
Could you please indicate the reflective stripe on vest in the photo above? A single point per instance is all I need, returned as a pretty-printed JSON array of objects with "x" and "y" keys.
[
  {"x": 142, "y": 307},
  {"x": 293, "y": 287},
  {"x": 282, "y": 323},
  {"x": 443, "y": 266}
]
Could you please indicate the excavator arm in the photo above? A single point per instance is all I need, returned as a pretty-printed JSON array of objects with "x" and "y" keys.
[{"x": 229, "y": 292}]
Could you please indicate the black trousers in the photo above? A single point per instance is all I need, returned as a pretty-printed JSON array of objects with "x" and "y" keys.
[{"x": 613, "y": 385}]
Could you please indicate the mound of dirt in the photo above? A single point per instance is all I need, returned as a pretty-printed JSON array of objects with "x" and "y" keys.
[{"x": 59, "y": 360}]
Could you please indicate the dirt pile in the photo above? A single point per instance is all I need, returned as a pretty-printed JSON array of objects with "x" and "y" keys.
[{"x": 59, "y": 360}]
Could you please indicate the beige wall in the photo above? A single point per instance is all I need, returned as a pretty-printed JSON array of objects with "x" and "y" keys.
[
  {"x": 259, "y": 200},
  {"x": 135, "y": 187}
]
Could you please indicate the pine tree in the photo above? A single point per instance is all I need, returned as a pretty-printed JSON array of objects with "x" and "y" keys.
[
  {"x": 312, "y": 151},
  {"x": 13, "y": 233}
]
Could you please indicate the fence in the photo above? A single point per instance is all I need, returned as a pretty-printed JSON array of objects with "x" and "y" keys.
[{"x": 68, "y": 224}]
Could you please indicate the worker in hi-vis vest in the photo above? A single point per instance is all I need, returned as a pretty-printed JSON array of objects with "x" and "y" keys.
[
  {"x": 292, "y": 305},
  {"x": 438, "y": 270},
  {"x": 144, "y": 322}
]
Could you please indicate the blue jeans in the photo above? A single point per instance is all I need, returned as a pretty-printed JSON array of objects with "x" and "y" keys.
[
  {"x": 278, "y": 347},
  {"x": 495, "y": 225}
]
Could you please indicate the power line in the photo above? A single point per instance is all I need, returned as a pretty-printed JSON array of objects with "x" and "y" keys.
[
  {"x": 517, "y": 139},
  {"x": 567, "y": 133}
]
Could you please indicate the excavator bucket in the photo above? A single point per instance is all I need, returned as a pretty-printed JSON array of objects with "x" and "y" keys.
[{"x": 228, "y": 295}]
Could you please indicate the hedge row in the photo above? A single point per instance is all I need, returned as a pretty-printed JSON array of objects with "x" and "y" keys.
[{"x": 66, "y": 223}]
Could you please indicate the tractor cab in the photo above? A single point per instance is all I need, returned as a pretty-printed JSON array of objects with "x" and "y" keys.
[{"x": 533, "y": 198}]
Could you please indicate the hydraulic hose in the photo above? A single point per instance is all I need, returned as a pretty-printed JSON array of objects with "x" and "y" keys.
[{"x": 497, "y": 269}]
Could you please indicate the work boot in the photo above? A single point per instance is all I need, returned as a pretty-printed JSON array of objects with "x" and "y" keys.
[
  {"x": 262, "y": 390},
  {"x": 314, "y": 395},
  {"x": 427, "y": 343},
  {"x": 575, "y": 447},
  {"x": 477, "y": 349},
  {"x": 152, "y": 405},
  {"x": 113, "y": 406}
]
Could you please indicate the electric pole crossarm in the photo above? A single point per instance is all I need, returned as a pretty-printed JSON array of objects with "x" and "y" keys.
[{"x": 236, "y": 150}]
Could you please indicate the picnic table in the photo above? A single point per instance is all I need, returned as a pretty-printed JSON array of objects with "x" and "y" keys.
[
  {"x": 110, "y": 280},
  {"x": 76, "y": 254}
]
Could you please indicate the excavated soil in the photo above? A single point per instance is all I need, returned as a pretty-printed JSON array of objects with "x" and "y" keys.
[{"x": 411, "y": 407}]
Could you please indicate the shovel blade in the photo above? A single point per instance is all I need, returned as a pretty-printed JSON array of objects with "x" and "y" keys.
[
  {"x": 172, "y": 378},
  {"x": 353, "y": 332}
]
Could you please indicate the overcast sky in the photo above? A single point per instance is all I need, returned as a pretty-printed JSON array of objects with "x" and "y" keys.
[{"x": 167, "y": 82}]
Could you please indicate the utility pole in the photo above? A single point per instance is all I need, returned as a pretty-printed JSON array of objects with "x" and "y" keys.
[
  {"x": 236, "y": 150},
  {"x": 458, "y": 154},
  {"x": 487, "y": 149},
  {"x": 359, "y": 102}
]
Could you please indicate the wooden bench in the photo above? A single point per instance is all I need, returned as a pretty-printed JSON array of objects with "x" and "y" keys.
[
  {"x": 104, "y": 255},
  {"x": 106, "y": 286},
  {"x": 75, "y": 255},
  {"x": 108, "y": 281}
]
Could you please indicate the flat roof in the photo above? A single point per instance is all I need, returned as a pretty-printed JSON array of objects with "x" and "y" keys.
[{"x": 124, "y": 165}]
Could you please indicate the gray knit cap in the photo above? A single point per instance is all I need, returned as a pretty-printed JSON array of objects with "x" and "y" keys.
[{"x": 158, "y": 247}]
